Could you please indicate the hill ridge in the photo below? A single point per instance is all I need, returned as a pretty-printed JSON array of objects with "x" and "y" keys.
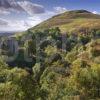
[{"x": 70, "y": 21}]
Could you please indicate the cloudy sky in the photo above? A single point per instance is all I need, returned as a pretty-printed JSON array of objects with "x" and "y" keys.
[{"x": 19, "y": 15}]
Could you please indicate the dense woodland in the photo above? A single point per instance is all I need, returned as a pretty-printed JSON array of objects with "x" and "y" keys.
[{"x": 63, "y": 67}]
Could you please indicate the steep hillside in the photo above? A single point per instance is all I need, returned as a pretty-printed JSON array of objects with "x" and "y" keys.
[{"x": 71, "y": 21}]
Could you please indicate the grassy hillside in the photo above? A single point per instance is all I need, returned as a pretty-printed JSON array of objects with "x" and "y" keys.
[{"x": 71, "y": 21}]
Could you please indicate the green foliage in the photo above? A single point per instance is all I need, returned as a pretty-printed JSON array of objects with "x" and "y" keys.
[
  {"x": 54, "y": 32},
  {"x": 58, "y": 73},
  {"x": 95, "y": 48},
  {"x": 30, "y": 46},
  {"x": 84, "y": 39},
  {"x": 16, "y": 84},
  {"x": 2, "y": 64},
  {"x": 52, "y": 85},
  {"x": 98, "y": 34},
  {"x": 84, "y": 80}
]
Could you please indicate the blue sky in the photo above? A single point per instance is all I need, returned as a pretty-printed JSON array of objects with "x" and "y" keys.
[
  {"x": 71, "y": 4},
  {"x": 19, "y": 15}
]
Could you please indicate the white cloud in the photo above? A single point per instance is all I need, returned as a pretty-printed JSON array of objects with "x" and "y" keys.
[
  {"x": 19, "y": 25},
  {"x": 12, "y": 25},
  {"x": 4, "y": 11},
  {"x": 3, "y": 22},
  {"x": 36, "y": 14},
  {"x": 60, "y": 9},
  {"x": 21, "y": 6},
  {"x": 95, "y": 12},
  {"x": 5, "y": 4},
  {"x": 31, "y": 8},
  {"x": 32, "y": 21}
]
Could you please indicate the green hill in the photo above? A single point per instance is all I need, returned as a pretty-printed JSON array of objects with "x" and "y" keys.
[{"x": 71, "y": 21}]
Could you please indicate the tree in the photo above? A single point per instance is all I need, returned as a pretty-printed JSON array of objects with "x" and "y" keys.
[
  {"x": 84, "y": 39},
  {"x": 55, "y": 32},
  {"x": 97, "y": 34},
  {"x": 30, "y": 46},
  {"x": 17, "y": 84},
  {"x": 84, "y": 81}
]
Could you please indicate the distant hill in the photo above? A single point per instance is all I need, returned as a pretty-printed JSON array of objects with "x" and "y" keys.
[
  {"x": 6, "y": 33},
  {"x": 71, "y": 21},
  {"x": 9, "y": 33}
]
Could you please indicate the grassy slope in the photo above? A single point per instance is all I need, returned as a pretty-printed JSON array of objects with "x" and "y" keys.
[{"x": 71, "y": 21}]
